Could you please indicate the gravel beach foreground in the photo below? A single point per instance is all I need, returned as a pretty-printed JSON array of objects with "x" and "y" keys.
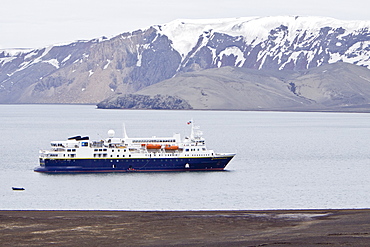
[{"x": 186, "y": 228}]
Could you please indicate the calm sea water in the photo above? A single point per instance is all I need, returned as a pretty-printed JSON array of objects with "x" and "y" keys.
[{"x": 284, "y": 160}]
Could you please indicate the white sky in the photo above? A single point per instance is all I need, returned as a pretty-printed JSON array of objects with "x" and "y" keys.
[{"x": 38, "y": 23}]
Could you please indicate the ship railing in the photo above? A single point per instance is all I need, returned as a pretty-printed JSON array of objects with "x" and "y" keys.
[
  {"x": 48, "y": 155},
  {"x": 42, "y": 153},
  {"x": 117, "y": 146},
  {"x": 224, "y": 154}
]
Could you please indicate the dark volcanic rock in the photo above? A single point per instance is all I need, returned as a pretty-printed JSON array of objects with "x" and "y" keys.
[{"x": 136, "y": 101}]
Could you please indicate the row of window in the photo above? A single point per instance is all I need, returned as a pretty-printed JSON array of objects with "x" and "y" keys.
[
  {"x": 105, "y": 150},
  {"x": 57, "y": 145},
  {"x": 159, "y": 155},
  {"x": 162, "y": 154},
  {"x": 197, "y": 155},
  {"x": 194, "y": 149},
  {"x": 123, "y": 156},
  {"x": 56, "y": 155},
  {"x": 143, "y": 160},
  {"x": 149, "y": 141}
]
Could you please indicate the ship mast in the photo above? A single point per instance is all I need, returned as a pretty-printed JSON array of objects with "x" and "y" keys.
[
  {"x": 191, "y": 122},
  {"x": 196, "y": 133},
  {"x": 124, "y": 131}
]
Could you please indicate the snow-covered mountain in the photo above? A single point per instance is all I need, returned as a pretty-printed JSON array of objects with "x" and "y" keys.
[
  {"x": 90, "y": 71},
  {"x": 272, "y": 42}
]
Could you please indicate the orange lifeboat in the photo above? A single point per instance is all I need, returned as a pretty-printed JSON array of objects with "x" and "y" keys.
[
  {"x": 153, "y": 146},
  {"x": 168, "y": 147}
]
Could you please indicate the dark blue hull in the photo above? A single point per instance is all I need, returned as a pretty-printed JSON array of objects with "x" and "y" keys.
[{"x": 133, "y": 165}]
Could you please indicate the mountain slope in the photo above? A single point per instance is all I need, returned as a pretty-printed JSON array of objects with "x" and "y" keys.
[
  {"x": 90, "y": 71},
  {"x": 339, "y": 86},
  {"x": 227, "y": 88}
]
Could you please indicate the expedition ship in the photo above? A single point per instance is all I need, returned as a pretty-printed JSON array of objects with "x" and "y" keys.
[{"x": 80, "y": 154}]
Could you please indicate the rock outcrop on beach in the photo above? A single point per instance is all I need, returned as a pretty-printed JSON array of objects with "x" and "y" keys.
[
  {"x": 92, "y": 71},
  {"x": 137, "y": 101}
]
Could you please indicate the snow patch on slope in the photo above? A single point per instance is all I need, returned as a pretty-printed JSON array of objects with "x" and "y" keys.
[
  {"x": 14, "y": 52},
  {"x": 66, "y": 58},
  {"x": 53, "y": 62},
  {"x": 185, "y": 33},
  {"x": 233, "y": 51},
  {"x": 107, "y": 64},
  {"x": 8, "y": 55}
]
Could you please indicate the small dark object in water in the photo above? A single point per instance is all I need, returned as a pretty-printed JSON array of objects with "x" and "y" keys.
[{"x": 17, "y": 188}]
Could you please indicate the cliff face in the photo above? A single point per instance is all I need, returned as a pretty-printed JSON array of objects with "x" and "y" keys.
[{"x": 91, "y": 71}]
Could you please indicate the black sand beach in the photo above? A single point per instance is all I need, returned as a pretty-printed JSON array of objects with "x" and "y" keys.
[{"x": 186, "y": 228}]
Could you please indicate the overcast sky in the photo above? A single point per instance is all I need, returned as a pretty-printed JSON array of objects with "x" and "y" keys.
[{"x": 39, "y": 23}]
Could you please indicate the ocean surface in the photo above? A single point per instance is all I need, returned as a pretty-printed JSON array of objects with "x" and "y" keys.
[{"x": 285, "y": 160}]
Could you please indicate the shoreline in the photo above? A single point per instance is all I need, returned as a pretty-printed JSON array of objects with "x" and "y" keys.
[
  {"x": 360, "y": 109},
  {"x": 296, "y": 227},
  {"x": 183, "y": 211}
]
